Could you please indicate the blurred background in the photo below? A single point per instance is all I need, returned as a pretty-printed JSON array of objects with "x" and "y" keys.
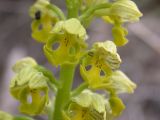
[{"x": 141, "y": 56}]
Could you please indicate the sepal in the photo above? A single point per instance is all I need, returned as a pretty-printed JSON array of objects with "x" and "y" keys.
[{"x": 125, "y": 10}]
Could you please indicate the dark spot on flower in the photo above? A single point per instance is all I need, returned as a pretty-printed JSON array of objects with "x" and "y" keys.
[
  {"x": 90, "y": 54},
  {"x": 38, "y": 15}
]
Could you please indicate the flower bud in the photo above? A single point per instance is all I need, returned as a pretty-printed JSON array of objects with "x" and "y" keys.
[{"x": 126, "y": 10}]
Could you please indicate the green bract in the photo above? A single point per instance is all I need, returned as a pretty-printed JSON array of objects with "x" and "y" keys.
[
  {"x": 43, "y": 20},
  {"x": 88, "y": 106},
  {"x": 29, "y": 86},
  {"x": 101, "y": 60},
  {"x": 67, "y": 43}
]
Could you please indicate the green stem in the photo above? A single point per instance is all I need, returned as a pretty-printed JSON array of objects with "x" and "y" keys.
[
  {"x": 79, "y": 89},
  {"x": 57, "y": 10},
  {"x": 72, "y": 8},
  {"x": 63, "y": 93},
  {"x": 91, "y": 10}
]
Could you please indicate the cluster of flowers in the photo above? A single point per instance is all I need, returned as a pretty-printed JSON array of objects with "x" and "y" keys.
[{"x": 64, "y": 43}]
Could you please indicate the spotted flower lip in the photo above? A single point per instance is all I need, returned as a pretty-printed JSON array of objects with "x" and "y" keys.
[
  {"x": 29, "y": 86},
  {"x": 68, "y": 38}
]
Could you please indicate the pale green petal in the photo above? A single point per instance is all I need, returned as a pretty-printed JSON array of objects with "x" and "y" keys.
[
  {"x": 28, "y": 61},
  {"x": 118, "y": 82},
  {"x": 107, "y": 46},
  {"x": 73, "y": 26}
]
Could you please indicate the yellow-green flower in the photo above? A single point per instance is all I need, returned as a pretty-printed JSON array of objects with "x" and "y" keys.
[
  {"x": 88, "y": 106},
  {"x": 101, "y": 60},
  {"x": 98, "y": 69},
  {"x": 29, "y": 86},
  {"x": 43, "y": 20},
  {"x": 67, "y": 43},
  {"x": 121, "y": 11}
]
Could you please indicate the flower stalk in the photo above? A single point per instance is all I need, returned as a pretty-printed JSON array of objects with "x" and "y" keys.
[{"x": 63, "y": 93}]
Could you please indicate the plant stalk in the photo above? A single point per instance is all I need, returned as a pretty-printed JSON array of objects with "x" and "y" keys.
[{"x": 63, "y": 93}]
